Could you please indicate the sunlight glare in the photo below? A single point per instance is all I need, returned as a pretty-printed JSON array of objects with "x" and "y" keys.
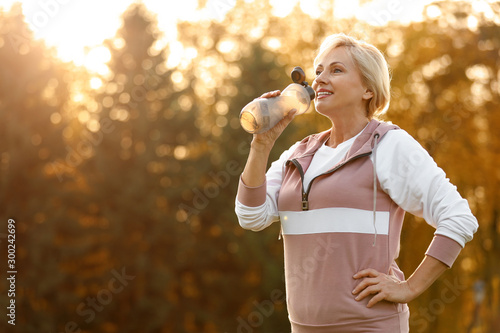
[
  {"x": 282, "y": 8},
  {"x": 226, "y": 46},
  {"x": 273, "y": 43},
  {"x": 96, "y": 59},
  {"x": 311, "y": 7},
  {"x": 95, "y": 83},
  {"x": 175, "y": 49},
  {"x": 78, "y": 97},
  {"x": 345, "y": 9},
  {"x": 472, "y": 23},
  {"x": 7, "y": 4},
  {"x": 74, "y": 27},
  {"x": 433, "y": 12}
]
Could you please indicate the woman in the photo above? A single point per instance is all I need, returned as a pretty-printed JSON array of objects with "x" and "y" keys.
[{"x": 340, "y": 196}]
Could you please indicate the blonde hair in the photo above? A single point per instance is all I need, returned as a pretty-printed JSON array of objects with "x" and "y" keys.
[{"x": 372, "y": 65}]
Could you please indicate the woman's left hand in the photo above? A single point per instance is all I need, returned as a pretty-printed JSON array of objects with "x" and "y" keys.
[{"x": 382, "y": 286}]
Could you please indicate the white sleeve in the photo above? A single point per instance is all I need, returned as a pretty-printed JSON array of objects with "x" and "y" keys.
[
  {"x": 261, "y": 216},
  {"x": 409, "y": 175}
]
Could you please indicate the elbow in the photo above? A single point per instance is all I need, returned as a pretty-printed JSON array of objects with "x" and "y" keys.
[
  {"x": 249, "y": 225},
  {"x": 474, "y": 227},
  {"x": 471, "y": 227},
  {"x": 244, "y": 224},
  {"x": 461, "y": 230},
  {"x": 251, "y": 218}
]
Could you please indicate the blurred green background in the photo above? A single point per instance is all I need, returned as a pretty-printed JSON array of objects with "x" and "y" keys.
[{"x": 122, "y": 182}]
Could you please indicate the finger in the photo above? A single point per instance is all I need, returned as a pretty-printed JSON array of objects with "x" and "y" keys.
[
  {"x": 366, "y": 272},
  {"x": 375, "y": 299},
  {"x": 367, "y": 292},
  {"x": 291, "y": 113},
  {"x": 271, "y": 94},
  {"x": 287, "y": 119},
  {"x": 283, "y": 123},
  {"x": 276, "y": 131},
  {"x": 364, "y": 284}
]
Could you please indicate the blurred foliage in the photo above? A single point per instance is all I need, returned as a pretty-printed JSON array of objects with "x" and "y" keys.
[{"x": 133, "y": 173}]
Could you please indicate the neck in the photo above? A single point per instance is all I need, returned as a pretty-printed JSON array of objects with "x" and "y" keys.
[{"x": 344, "y": 128}]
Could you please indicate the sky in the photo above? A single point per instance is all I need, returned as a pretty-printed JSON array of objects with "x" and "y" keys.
[{"x": 77, "y": 27}]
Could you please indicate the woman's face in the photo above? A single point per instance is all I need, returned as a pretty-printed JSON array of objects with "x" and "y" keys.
[{"x": 338, "y": 85}]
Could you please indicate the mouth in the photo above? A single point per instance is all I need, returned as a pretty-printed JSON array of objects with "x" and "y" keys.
[{"x": 323, "y": 93}]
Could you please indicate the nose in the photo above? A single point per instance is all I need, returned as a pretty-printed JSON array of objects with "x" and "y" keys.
[{"x": 319, "y": 80}]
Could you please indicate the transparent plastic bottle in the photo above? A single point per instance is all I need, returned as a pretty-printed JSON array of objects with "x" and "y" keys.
[{"x": 262, "y": 114}]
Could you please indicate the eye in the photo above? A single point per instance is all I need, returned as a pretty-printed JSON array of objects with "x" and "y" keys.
[
  {"x": 337, "y": 70},
  {"x": 318, "y": 73}
]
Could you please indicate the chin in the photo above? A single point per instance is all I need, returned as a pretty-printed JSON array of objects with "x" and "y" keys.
[{"x": 322, "y": 110}]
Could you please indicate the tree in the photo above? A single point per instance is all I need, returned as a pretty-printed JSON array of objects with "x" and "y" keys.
[{"x": 34, "y": 92}]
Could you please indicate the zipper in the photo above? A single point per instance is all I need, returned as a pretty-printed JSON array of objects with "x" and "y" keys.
[
  {"x": 305, "y": 203},
  {"x": 305, "y": 194}
]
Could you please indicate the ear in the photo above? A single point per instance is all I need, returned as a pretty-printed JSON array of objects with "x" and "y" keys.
[{"x": 367, "y": 94}]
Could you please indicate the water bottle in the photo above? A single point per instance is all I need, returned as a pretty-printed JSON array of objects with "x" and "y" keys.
[{"x": 262, "y": 114}]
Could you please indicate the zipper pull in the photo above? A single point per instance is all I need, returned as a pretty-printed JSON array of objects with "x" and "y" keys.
[{"x": 305, "y": 203}]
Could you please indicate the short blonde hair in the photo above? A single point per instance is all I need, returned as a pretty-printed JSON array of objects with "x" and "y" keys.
[{"x": 372, "y": 65}]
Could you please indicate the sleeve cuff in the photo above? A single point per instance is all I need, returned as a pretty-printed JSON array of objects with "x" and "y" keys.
[
  {"x": 444, "y": 249},
  {"x": 251, "y": 196}
]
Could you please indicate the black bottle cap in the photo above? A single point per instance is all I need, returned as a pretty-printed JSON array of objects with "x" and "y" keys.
[
  {"x": 299, "y": 76},
  {"x": 311, "y": 92}
]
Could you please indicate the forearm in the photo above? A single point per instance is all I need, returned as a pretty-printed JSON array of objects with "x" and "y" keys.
[
  {"x": 252, "y": 212},
  {"x": 424, "y": 276},
  {"x": 254, "y": 173}
]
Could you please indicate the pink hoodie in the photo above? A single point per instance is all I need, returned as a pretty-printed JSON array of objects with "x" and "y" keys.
[{"x": 335, "y": 228}]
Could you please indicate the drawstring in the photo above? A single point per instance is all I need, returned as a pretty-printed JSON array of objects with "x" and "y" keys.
[{"x": 375, "y": 188}]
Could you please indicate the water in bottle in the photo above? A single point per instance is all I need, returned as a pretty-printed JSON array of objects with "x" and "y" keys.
[{"x": 262, "y": 114}]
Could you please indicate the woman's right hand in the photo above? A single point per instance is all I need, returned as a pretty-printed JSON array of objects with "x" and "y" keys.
[
  {"x": 254, "y": 173},
  {"x": 266, "y": 140}
]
